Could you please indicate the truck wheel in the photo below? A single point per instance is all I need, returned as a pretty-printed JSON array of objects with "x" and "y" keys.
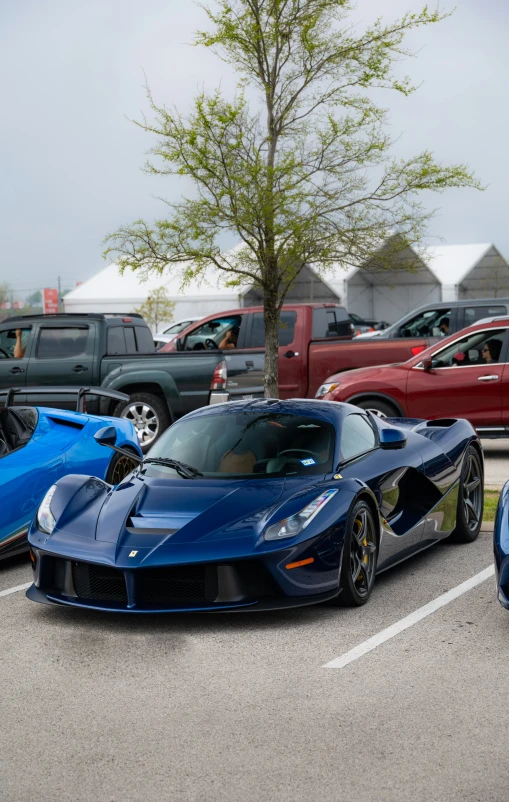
[
  {"x": 381, "y": 409},
  {"x": 149, "y": 415}
]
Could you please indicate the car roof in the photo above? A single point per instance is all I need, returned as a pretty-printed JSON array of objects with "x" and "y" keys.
[{"x": 331, "y": 411}]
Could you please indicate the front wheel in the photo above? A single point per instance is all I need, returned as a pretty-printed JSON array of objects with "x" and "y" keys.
[
  {"x": 149, "y": 415},
  {"x": 470, "y": 499},
  {"x": 119, "y": 467},
  {"x": 360, "y": 553}
]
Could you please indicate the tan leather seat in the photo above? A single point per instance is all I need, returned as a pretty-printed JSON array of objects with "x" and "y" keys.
[{"x": 237, "y": 463}]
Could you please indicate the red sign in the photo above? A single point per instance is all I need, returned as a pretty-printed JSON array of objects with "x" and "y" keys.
[{"x": 50, "y": 302}]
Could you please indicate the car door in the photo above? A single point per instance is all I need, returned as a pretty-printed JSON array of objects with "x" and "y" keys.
[
  {"x": 62, "y": 355},
  {"x": 291, "y": 364},
  {"x": 388, "y": 473},
  {"x": 462, "y": 383},
  {"x": 15, "y": 346},
  {"x": 25, "y": 476}
]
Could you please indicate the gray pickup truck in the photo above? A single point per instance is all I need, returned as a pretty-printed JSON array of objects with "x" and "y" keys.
[{"x": 115, "y": 352}]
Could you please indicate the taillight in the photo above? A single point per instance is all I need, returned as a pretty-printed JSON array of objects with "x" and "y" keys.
[
  {"x": 219, "y": 377},
  {"x": 417, "y": 349}
]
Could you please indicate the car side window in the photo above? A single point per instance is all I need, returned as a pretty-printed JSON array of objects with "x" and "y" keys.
[
  {"x": 59, "y": 343},
  {"x": 431, "y": 323},
  {"x": 286, "y": 329},
  {"x": 116, "y": 340},
  {"x": 479, "y": 348},
  {"x": 130, "y": 342},
  {"x": 330, "y": 323},
  {"x": 222, "y": 332},
  {"x": 144, "y": 340},
  {"x": 357, "y": 437},
  {"x": 13, "y": 343},
  {"x": 475, "y": 313}
]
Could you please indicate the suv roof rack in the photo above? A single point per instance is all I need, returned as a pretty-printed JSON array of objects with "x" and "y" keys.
[{"x": 90, "y": 315}]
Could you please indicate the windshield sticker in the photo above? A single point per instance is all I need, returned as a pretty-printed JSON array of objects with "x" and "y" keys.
[{"x": 308, "y": 461}]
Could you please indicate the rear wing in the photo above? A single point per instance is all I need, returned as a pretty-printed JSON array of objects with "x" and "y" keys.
[{"x": 80, "y": 392}]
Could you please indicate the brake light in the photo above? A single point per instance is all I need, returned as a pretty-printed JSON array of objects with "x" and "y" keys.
[
  {"x": 127, "y": 320},
  {"x": 417, "y": 349},
  {"x": 219, "y": 377}
]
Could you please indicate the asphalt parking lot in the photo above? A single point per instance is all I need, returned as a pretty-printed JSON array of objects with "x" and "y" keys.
[{"x": 241, "y": 707}]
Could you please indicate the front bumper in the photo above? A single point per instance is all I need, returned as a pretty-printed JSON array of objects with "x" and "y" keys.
[{"x": 236, "y": 585}]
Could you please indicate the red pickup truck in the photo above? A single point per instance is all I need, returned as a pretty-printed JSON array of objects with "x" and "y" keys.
[{"x": 315, "y": 341}]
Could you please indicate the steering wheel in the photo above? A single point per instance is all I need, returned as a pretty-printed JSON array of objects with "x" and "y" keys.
[
  {"x": 210, "y": 344},
  {"x": 297, "y": 451},
  {"x": 6, "y": 355}
]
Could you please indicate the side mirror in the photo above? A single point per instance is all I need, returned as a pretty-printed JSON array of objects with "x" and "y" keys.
[
  {"x": 427, "y": 364},
  {"x": 106, "y": 436},
  {"x": 392, "y": 438}
]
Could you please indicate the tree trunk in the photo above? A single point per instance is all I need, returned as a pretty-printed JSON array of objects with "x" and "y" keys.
[{"x": 271, "y": 317}]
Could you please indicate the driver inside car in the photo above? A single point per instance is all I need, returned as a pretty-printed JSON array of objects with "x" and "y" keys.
[{"x": 230, "y": 339}]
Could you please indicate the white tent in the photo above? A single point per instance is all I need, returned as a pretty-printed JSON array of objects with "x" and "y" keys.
[
  {"x": 469, "y": 271},
  {"x": 441, "y": 273},
  {"x": 385, "y": 294},
  {"x": 109, "y": 291}
]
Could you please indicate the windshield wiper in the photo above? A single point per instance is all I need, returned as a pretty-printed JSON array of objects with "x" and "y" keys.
[{"x": 186, "y": 471}]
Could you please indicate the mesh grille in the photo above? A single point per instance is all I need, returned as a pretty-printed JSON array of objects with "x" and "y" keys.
[
  {"x": 99, "y": 582},
  {"x": 178, "y": 585}
]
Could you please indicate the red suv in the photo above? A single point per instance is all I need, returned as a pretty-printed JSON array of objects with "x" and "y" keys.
[{"x": 464, "y": 376}]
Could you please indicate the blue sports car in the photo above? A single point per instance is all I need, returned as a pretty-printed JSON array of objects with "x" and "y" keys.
[
  {"x": 39, "y": 445},
  {"x": 256, "y": 505},
  {"x": 501, "y": 547}
]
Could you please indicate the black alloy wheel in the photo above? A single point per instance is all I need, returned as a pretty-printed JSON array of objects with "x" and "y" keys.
[
  {"x": 470, "y": 499},
  {"x": 360, "y": 553}
]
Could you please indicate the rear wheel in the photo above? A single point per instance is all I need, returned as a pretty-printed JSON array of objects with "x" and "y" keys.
[
  {"x": 470, "y": 499},
  {"x": 381, "y": 409},
  {"x": 149, "y": 415},
  {"x": 120, "y": 467},
  {"x": 360, "y": 552}
]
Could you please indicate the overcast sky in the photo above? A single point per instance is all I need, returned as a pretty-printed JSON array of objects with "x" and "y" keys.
[{"x": 72, "y": 73}]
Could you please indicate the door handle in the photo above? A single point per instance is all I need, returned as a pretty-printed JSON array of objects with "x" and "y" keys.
[
  {"x": 487, "y": 378},
  {"x": 17, "y": 370},
  {"x": 249, "y": 364},
  {"x": 80, "y": 368},
  {"x": 291, "y": 354}
]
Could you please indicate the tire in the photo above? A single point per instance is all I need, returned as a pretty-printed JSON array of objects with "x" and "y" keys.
[
  {"x": 382, "y": 409},
  {"x": 119, "y": 468},
  {"x": 470, "y": 499},
  {"x": 360, "y": 555},
  {"x": 148, "y": 413}
]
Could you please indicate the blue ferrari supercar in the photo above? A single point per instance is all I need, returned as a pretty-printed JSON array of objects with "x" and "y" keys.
[
  {"x": 501, "y": 547},
  {"x": 258, "y": 505},
  {"x": 39, "y": 445}
]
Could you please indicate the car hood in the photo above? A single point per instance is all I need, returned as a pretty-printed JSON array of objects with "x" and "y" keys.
[
  {"x": 359, "y": 374},
  {"x": 147, "y": 511}
]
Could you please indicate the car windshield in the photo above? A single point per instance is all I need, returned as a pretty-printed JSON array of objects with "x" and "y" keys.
[{"x": 229, "y": 446}]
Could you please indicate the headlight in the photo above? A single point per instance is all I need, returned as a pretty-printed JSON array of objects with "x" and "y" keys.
[
  {"x": 294, "y": 525},
  {"x": 326, "y": 388},
  {"x": 45, "y": 519}
]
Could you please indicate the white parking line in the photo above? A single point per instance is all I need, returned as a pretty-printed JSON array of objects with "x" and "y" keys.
[
  {"x": 15, "y": 590},
  {"x": 410, "y": 620}
]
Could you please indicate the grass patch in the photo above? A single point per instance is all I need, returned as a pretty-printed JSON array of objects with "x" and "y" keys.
[{"x": 490, "y": 504}]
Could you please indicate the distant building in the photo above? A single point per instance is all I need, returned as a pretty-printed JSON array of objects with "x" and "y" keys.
[{"x": 443, "y": 273}]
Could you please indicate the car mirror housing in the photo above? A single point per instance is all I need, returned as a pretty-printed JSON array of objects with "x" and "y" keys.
[
  {"x": 392, "y": 438},
  {"x": 106, "y": 436},
  {"x": 427, "y": 364}
]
